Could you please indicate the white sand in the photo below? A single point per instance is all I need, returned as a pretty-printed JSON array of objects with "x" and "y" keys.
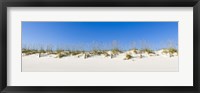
[{"x": 33, "y": 63}]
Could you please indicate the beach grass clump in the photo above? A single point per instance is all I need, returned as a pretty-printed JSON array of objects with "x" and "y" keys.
[
  {"x": 63, "y": 53},
  {"x": 41, "y": 51},
  {"x": 59, "y": 50},
  {"x": 60, "y": 55},
  {"x": 98, "y": 52},
  {"x": 128, "y": 56},
  {"x": 170, "y": 51},
  {"x": 116, "y": 51},
  {"x": 106, "y": 54},
  {"x": 74, "y": 53},
  {"x": 87, "y": 55},
  {"x": 165, "y": 51},
  {"x": 134, "y": 50},
  {"x": 29, "y": 51},
  {"x": 34, "y": 51},
  {"x": 67, "y": 53},
  {"x": 147, "y": 50},
  {"x": 25, "y": 50}
]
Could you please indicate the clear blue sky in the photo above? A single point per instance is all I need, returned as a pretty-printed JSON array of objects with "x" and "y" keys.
[{"x": 72, "y": 34}]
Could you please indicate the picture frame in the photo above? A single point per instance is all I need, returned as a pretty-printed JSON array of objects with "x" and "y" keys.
[{"x": 4, "y": 4}]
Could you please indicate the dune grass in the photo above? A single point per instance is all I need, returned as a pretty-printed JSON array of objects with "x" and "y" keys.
[
  {"x": 128, "y": 56},
  {"x": 86, "y": 54},
  {"x": 170, "y": 51},
  {"x": 97, "y": 49},
  {"x": 147, "y": 50},
  {"x": 29, "y": 51},
  {"x": 116, "y": 51}
]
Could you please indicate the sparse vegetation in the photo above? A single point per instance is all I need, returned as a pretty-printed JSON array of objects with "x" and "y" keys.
[
  {"x": 165, "y": 51},
  {"x": 147, "y": 50},
  {"x": 29, "y": 51},
  {"x": 86, "y": 55},
  {"x": 74, "y": 53},
  {"x": 59, "y": 50},
  {"x": 60, "y": 55},
  {"x": 96, "y": 49},
  {"x": 135, "y": 51},
  {"x": 106, "y": 54},
  {"x": 49, "y": 50},
  {"x": 170, "y": 51},
  {"x": 97, "y": 52},
  {"x": 116, "y": 51},
  {"x": 128, "y": 56}
]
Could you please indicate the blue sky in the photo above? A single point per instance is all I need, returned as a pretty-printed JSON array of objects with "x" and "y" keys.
[{"x": 83, "y": 34}]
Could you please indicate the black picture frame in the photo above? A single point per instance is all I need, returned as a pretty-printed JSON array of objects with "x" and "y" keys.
[{"x": 99, "y": 3}]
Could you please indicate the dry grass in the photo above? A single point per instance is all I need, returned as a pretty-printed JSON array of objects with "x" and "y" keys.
[
  {"x": 128, "y": 56},
  {"x": 147, "y": 50},
  {"x": 116, "y": 51},
  {"x": 96, "y": 49},
  {"x": 170, "y": 51}
]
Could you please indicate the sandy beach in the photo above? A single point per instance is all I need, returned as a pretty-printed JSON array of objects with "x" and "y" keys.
[{"x": 33, "y": 63}]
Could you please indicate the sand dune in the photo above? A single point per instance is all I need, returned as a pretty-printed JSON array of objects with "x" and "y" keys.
[{"x": 153, "y": 63}]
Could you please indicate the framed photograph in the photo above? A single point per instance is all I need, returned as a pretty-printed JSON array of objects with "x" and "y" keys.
[{"x": 99, "y": 46}]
